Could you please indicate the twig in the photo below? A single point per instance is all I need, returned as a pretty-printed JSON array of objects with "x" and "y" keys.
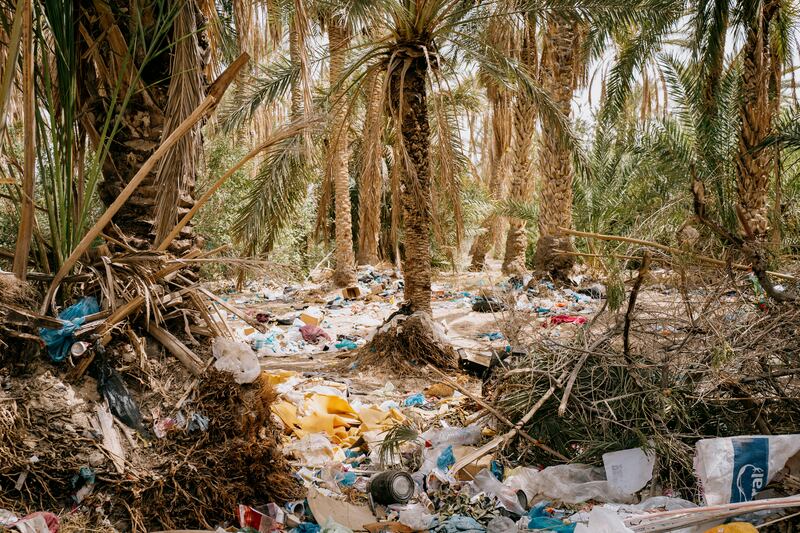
[
  {"x": 637, "y": 285},
  {"x": 497, "y": 414}
]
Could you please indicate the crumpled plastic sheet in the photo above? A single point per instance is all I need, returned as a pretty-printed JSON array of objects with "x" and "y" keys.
[
  {"x": 59, "y": 341},
  {"x": 571, "y": 484}
]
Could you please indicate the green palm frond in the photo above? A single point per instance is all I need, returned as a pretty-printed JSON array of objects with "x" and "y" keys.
[
  {"x": 634, "y": 53},
  {"x": 276, "y": 194},
  {"x": 273, "y": 84}
]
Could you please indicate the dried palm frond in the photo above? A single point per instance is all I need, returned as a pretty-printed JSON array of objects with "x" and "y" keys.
[{"x": 175, "y": 176}]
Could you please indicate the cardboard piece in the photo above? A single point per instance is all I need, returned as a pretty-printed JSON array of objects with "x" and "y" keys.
[{"x": 325, "y": 507}]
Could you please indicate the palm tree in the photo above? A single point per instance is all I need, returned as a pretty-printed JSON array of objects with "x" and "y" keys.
[
  {"x": 501, "y": 35},
  {"x": 524, "y": 129},
  {"x": 339, "y": 152},
  {"x": 752, "y": 163},
  {"x": 558, "y": 67},
  {"x": 370, "y": 188},
  {"x": 157, "y": 105}
]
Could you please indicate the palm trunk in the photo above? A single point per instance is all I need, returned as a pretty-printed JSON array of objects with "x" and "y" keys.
[
  {"x": 752, "y": 166},
  {"x": 142, "y": 125},
  {"x": 371, "y": 186},
  {"x": 339, "y": 157},
  {"x": 176, "y": 175},
  {"x": 294, "y": 58},
  {"x": 501, "y": 141},
  {"x": 409, "y": 97},
  {"x": 522, "y": 179},
  {"x": 555, "y": 197}
]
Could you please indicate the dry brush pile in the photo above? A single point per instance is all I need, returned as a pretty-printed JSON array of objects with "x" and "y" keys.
[{"x": 713, "y": 361}]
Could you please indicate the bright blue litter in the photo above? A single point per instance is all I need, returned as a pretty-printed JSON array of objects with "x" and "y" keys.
[
  {"x": 492, "y": 336},
  {"x": 347, "y": 479},
  {"x": 59, "y": 341},
  {"x": 446, "y": 459},
  {"x": 306, "y": 527},
  {"x": 541, "y": 519},
  {"x": 346, "y": 344},
  {"x": 414, "y": 399}
]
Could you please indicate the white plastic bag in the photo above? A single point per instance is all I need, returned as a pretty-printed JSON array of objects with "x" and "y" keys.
[
  {"x": 236, "y": 358},
  {"x": 413, "y": 515},
  {"x": 506, "y": 496},
  {"x": 629, "y": 470},
  {"x": 734, "y": 469},
  {"x": 572, "y": 483},
  {"x": 603, "y": 520}
]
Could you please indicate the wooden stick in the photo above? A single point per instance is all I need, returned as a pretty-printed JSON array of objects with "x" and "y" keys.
[
  {"x": 668, "y": 249},
  {"x": 272, "y": 140},
  {"x": 29, "y": 136},
  {"x": 177, "y": 348},
  {"x": 496, "y": 413},
  {"x": 235, "y": 310},
  {"x": 208, "y": 104},
  {"x": 10, "y": 68},
  {"x": 508, "y": 435}
]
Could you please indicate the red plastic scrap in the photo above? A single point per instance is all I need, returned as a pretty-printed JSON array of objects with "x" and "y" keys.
[{"x": 564, "y": 319}]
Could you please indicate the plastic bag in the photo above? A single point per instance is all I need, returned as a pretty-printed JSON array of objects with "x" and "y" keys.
[
  {"x": 501, "y": 524},
  {"x": 603, "y": 520},
  {"x": 236, "y": 358},
  {"x": 332, "y": 527},
  {"x": 572, "y": 483},
  {"x": 59, "y": 341},
  {"x": 735, "y": 469},
  {"x": 629, "y": 470},
  {"x": 413, "y": 515},
  {"x": 506, "y": 496}
]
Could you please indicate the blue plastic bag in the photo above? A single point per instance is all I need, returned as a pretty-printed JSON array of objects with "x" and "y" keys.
[
  {"x": 346, "y": 344},
  {"x": 414, "y": 399},
  {"x": 460, "y": 524},
  {"x": 306, "y": 527},
  {"x": 59, "y": 341},
  {"x": 446, "y": 459}
]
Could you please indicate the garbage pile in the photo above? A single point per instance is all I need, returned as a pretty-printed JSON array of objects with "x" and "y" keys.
[
  {"x": 667, "y": 415},
  {"x": 131, "y": 406}
]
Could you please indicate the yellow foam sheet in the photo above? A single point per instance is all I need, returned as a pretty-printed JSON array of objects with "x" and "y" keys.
[
  {"x": 276, "y": 377},
  {"x": 323, "y": 403}
]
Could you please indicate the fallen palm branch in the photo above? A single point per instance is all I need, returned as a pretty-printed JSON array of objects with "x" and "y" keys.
[
  {"x": 671, "y": 250},
  {"x": 677, "y": 380}
]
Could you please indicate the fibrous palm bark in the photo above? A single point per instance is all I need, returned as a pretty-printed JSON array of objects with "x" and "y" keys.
[
  {"x": 752, "y": 164},
  {"x": 498, "y": 166},
  {"x": 339, "y": 157},
  {"x": 522, "y": 178},
  {"x": 555, "y": 196},
  {"x": 409, "y": 99},
  {"x": 108, "y": 32},
  {"x": 371, "y": 185}
]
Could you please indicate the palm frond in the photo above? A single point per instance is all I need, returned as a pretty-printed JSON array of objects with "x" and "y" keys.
[
  {"x": 277, "y": 192},
  {"x": 273, "y": 84}
]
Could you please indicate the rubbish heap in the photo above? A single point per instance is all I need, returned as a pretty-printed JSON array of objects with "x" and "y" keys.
[{"x": 566, "y": 415}]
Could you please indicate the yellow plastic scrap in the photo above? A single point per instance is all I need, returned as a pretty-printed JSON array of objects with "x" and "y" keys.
[
  {"x": 287, "y": 412},
  {"x": 323, "y": 403},
  {"x": 276, "y": 377},
  {"x": 734, "y": 527}
]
